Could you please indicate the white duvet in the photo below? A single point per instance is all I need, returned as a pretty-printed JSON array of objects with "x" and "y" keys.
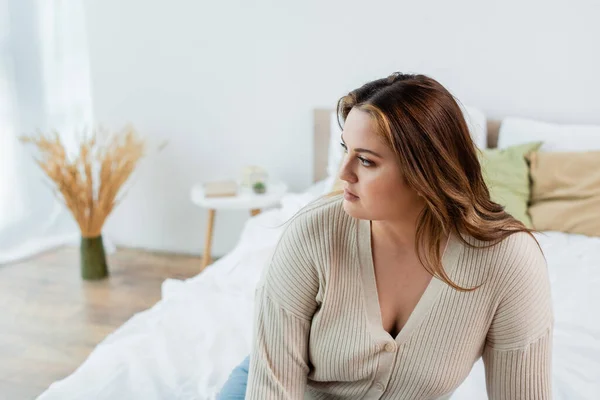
[{"x": 186, "y": 345}]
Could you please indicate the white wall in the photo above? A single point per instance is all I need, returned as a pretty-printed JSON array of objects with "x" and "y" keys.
[{"x": 234, "y": 82}]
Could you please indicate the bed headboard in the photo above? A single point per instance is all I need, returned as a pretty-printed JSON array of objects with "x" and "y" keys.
[{"x": 321, "y": 140}]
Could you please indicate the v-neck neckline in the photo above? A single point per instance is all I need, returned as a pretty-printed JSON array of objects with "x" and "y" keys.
[{"x": 365, "y": 255}]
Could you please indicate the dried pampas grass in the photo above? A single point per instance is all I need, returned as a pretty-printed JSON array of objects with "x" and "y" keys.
[{"x": 89, "y": 182}]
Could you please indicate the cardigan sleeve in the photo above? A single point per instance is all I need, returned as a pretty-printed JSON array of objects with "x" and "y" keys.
[
  {"x": 285, "y": 304},
  {"x": 520, "y": 374},
  {"x": 518, "y": 349}
]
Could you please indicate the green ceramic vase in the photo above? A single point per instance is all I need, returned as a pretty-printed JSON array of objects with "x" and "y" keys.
[{"x": 93, "y": 258}]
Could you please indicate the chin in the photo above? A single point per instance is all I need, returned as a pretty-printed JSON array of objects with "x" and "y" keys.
[{"x": 354, "y": 209}]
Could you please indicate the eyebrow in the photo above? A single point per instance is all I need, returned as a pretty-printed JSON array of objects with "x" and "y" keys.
[{"x": 361, "y": 150}]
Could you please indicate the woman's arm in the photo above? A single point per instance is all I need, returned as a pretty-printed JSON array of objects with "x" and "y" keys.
[
  {"x": 520, "y": 374},
  {"x": 518, "y": 351},
  {"x": 285, "y": 304}
]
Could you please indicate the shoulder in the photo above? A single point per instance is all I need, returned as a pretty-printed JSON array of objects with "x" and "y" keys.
[
  {"x": 519, "y": 255},
  {"x": 515, "y": 260},
  {"x": 320, "y": 220},
  {"x": 309, "y": 233},
  {"x": 517, "y": 249},
  {"x": 315, "y": 233},
  {"x": 323, "y": 209},
  {"x": 517, "y": 268}
]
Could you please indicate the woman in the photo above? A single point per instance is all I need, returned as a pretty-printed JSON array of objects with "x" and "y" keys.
[{"x": 395, "y": 289}]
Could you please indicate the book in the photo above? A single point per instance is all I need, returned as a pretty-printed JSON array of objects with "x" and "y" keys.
[{"x": 220, "y": 189}]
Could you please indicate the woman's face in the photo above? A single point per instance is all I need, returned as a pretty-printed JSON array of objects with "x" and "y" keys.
[{"x": 375, "y": 187}]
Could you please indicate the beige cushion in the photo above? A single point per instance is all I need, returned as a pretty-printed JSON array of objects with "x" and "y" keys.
[{"x": 565, "y": 193}]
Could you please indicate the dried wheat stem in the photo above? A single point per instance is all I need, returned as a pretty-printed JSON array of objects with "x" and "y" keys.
[{"x": 90, "y": 198}]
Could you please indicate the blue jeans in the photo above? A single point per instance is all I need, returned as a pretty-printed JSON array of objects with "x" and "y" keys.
[{"x": 235, "y": 387}]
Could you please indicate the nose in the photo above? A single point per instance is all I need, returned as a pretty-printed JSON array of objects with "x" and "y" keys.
[{"x": 346, "y": 173}]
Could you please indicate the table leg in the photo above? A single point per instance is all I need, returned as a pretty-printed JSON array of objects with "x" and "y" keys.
[
  {"x": 254, "y": 211},
  {"x": 206, "y": 257}
]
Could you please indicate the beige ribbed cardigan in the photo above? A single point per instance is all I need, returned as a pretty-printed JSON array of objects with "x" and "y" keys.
[{"x": 318, "y": 332}]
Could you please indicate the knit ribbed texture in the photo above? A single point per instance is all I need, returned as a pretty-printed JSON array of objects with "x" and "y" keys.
[{"x": 318, "y": 331}]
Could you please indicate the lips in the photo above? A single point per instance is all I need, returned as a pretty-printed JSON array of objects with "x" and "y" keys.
[{"x": 350, "y": 193}]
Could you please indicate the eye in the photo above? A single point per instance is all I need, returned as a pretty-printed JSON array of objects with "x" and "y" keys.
[{"x": 365, "y": 162}]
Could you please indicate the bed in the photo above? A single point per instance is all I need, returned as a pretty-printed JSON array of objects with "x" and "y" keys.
[{"x": 186, "y": 345}]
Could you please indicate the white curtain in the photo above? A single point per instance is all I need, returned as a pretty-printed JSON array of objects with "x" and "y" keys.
[
  {"x": 44, "y": 85},
  {"x": 9, "y": 200}
]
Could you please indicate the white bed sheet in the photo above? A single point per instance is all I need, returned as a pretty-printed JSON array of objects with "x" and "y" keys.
[{"x": 186, "y": 345}]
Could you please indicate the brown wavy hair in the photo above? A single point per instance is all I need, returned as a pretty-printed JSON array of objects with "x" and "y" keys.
[{"x": 424, "y": 125}]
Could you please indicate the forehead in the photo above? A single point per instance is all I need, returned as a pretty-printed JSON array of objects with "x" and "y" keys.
[
  {"x": 360, "y": 130},
  {"x": 359, "y": 122}
]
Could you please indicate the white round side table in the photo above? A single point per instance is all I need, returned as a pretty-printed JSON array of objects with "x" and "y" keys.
[{"x": 245, "y": 199}]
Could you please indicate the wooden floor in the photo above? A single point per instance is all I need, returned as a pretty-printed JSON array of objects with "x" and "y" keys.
[{"x": 50, "y": 320}]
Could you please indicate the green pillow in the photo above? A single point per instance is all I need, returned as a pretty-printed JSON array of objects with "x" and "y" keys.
[{"x": 506, "y": 173}]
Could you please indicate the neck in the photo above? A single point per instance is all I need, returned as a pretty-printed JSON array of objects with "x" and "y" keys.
[{"x": 397, "y": 235}]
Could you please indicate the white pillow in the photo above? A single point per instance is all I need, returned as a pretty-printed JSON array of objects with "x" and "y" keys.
[
  {"x": 475, "y": 118},
  {"x": 556, "y": 137},
  {"x": 336, "y": 152}
]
